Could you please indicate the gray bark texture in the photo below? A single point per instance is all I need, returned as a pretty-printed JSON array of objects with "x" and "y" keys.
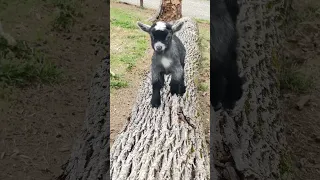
[
  {"x": 168, "y": 142},
  {"x": 90, "y": 154},
  {"x": 247, "y": 143}
]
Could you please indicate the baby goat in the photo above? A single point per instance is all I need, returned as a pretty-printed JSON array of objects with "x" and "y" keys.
[
  {"x": 168, "y": 58},
  {"x": 226, "y": 84}
]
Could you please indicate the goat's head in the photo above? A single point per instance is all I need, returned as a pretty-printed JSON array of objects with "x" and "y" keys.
[{"x": 161, "y": 34}]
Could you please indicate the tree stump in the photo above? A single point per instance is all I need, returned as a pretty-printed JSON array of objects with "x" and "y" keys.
[
  {"x": 247, "y": 142},
  {"x": 169, "y": 10},
  {"x": 168, "y": 142}
]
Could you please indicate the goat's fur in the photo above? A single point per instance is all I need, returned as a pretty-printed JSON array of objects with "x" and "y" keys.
[
  {"x": 225, "y": 83},
  {"x": 168, "y": 58}
]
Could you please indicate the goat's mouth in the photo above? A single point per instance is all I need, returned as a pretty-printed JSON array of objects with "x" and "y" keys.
[{"x": 159, "y": 51}]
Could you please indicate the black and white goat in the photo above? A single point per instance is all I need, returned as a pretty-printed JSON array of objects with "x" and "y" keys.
[
  {"x": 225, "y": 83},
  {"x": 168, "y": 58}
]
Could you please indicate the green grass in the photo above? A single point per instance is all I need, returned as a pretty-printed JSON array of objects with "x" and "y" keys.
[
  {"x": 203, "y": 87},
  {"x": 285, "y": 165},
  {"x": 135, "y": 52},
  {"x": 124, "y": 19},
  {"x": 21, "y": 65},
  {"x": 3, "y": 4},
  {"x": 295, "y": 81},
  {"x": 202, "y": 21},
  {"x": 118, "y": 82},
  {"x": 68, "y": 12},
  {"x": 128, "y": 43},
  {"x": 204, "y": 45},
  {"x": 292, "y": 77}
]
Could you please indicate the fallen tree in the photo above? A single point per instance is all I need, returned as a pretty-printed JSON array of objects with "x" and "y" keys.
[
  {"x": 247, "y": 143},
  {"x": 90, "y": 154},
  {"x": 168, "y": 142}
]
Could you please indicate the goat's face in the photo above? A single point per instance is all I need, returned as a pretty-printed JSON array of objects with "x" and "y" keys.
[{"x": 161, "y": 34}]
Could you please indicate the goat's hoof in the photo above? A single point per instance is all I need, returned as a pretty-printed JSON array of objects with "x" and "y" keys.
[
  {"x": 182, "y": 90},
  {"x": 229, "y": 105},
  {"x": 155, "y": 102},
  {"x": 177, "y": 89},
  {"x": 174, "y": 89}
]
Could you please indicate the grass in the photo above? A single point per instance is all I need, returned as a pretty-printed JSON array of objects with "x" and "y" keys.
[
  {"x": 285, "y": 165},
  {"x": 21, "y": 65},
  {"x": 136, "y": 50},
  {"x": 295, "y": 81},
  {"x": 68, "y": 12},
  {"x": 204, "y": 44},
  {"x": 3, "y": 4},
  {"x": 128, "y": 43},
  {"x": 292, "y": 77},
  {"x": 203, "y": 86},
  {"x": 123, "y": 19},
  {"x": 203, "y": 21},
  {"x": 118, "y": 82}
]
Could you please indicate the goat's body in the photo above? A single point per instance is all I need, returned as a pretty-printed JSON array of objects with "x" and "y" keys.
[
  {"x": 168, "y": 58},
  {"x": 233, "y": 9},
  {"x": 226, "y": 85},
  {"x": 171, "y": 62}
]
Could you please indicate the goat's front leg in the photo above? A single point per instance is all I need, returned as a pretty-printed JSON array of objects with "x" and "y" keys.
[
  {"x": 157, "y": 84},
  {"x": 234, "y": 89},
  {"x": 217, "y": 88},
  {"x": 177, "y": 85}
]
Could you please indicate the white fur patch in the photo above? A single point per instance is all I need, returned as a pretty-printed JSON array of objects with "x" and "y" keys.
[
  {"x": 161, "y": 26},
  {"x": 166, "y": 62},
  {"x": 159, "y": 44}
]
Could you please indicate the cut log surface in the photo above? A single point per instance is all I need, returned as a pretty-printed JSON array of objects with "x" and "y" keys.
[
  {"x": 247, "y": 142},
  {"x": 168, "y": 142}
]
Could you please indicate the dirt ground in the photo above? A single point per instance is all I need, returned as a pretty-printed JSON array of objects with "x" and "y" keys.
[
  {"x": 120, "y": 111},
  {"x": 122, "y": 100},
  {"x": 40, "y": 122},
  {"x": 302, "y": 126}
]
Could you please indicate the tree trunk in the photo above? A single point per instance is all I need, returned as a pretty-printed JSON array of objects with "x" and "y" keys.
[
  {"x": 90, "y": 155},
  {"x": 247, "y": 143},
  {"x": 141, "y": 3},
  {"x": 169, "y": 10},
  {"x": 168, "y": 142}
]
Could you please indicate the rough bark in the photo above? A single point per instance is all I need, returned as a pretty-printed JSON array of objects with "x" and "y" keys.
[
  {"x": 90, "y": 155},
  {"x": 168, "y": 142},
  {"x": 246, "y": 143},
  {"x": 169, "y": 10}
]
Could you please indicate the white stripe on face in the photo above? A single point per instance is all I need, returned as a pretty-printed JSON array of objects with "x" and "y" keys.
[
  {"x": 160, "y": 26},
  {"x": 159, "y": 46}
]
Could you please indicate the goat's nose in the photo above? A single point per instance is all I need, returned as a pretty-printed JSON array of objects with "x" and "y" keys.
[{"x": 158, "y": 48}]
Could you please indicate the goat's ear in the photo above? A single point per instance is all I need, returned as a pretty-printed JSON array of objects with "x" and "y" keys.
[
  {"x": 143, "y": 27},
  {"x": 176, "y": 27}
]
